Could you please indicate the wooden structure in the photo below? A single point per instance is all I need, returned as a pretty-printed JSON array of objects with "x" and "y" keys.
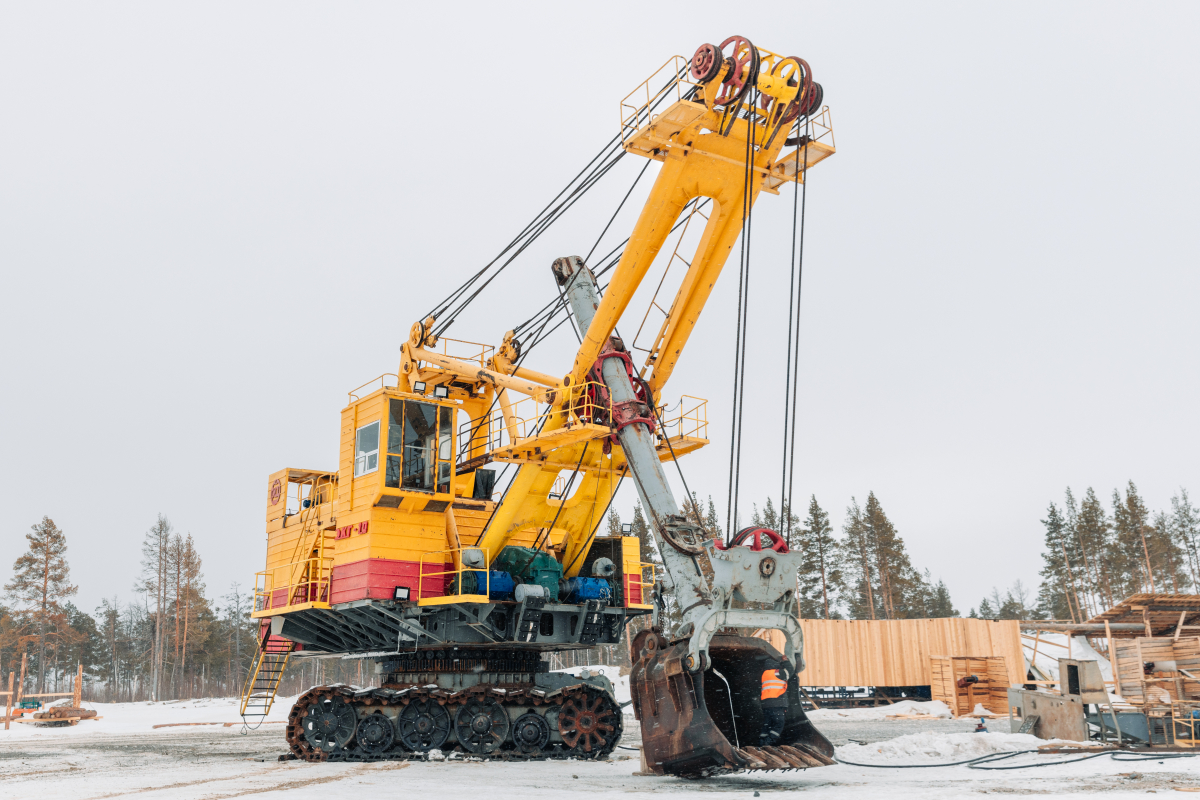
[
  {"x": 897, "y": 652},
  {"x": 13, "y": 697},
  {"x": 990, "y": 690},
  {"x": 1158, "y": 671},
  {"x": 1159, "y": 615}
]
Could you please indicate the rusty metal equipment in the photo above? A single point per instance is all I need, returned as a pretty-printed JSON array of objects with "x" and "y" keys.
[{"x": 700, "y": 723}]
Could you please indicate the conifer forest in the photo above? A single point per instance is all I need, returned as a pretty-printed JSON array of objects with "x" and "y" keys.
[{"x": 169, "y": 636}]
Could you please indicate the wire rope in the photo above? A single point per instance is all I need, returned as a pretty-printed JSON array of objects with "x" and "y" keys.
[{"x": 795, "y": 354}]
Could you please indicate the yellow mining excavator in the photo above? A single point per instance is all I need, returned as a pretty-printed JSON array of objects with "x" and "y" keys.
[{"x": 454, "y": 581}]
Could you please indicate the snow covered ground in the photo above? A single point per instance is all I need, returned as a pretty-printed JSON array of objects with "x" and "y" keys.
[
  {"x": 935, "y": 708},
  {"x": 123, "y": 755}
]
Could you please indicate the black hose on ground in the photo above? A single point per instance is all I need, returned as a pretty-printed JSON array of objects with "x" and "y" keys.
[{"x": 981, "y": 762}]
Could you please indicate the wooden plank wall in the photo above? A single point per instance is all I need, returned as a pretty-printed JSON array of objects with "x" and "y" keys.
[{"x": 897, "y": 652}]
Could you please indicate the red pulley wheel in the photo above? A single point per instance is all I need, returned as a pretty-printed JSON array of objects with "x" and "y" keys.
[{"x": 706, "y": 63}]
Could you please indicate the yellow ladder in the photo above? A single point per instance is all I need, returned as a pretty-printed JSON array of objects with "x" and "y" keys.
[{"x": 263, "y": 681}]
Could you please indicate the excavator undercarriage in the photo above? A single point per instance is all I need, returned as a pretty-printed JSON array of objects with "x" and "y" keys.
[{"x": 523, "y": 714}]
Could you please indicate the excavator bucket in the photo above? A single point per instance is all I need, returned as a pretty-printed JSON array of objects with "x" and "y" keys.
[{"x": 705, "y": 723}]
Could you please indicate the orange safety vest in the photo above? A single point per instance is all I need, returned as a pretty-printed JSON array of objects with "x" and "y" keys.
[{"x": 772, "y": 686}]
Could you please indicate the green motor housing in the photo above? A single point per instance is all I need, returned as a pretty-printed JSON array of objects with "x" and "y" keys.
[{"x": 527, "y": 565}]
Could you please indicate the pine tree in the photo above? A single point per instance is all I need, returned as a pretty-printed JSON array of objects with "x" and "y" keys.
[
  {"x": 770, "y": 518},
  {"x": 614, "y": 523},
  {"x": 1130, "y": 552},
  {"x": 712, "y": 523},
  {"x": 985, "y": 610},
  {"x": 1168, "y": 554},
  {"x": 901, "y": 590},
  {"x": 820, "y": 577},
  {"x": 639, "y": 528},
  {"x": 190, "y": 604},
  {"x": 1015, "y": 603},
  {"x": 1185, "y": 528},
  {"x": 42, "y": 581},
  {"x": 941, "y": 605},
  {"x": 1058, "y": 597},
  {"x": 859, "y": 564},
  {"x": 691, "y": 510},
  {"x": 1093, "y": 531}
]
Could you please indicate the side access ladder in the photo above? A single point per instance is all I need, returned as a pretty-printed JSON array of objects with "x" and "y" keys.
[{"x": 262, "y": 683}]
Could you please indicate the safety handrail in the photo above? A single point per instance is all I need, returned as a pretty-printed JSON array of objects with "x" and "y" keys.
[
  {"x": 631, "y": 113},
  {"x": 354, "y": 396},
  {"x": 524, "y": 418},
  {"x": 486, "y": 351},
  {"x": 457, "y": 571},
  {"x": 639, "y": 580},
  {"x": 688, "y": 421},
  {"x": 315, "y": 586}
]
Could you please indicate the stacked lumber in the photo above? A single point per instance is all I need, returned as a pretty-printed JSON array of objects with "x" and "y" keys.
[
  {"x": 64, "y": 713},
  {"x": 1130, "y": 674},
  {"x": 1187, "y": 660},
  {"x": 1165, "y": 686},
  {"x": 991, "y": 691}
]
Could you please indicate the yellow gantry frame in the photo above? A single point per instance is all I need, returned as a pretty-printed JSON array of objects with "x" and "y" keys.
[{"x": 698, "y": 162}]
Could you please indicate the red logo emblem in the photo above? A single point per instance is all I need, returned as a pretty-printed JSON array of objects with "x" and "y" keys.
[{"x": 276, "y": 491}]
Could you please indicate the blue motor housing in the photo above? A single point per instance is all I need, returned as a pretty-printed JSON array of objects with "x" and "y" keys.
[
  {"x": 580, "y": 590},
  {"x": 499, "y": 585}
]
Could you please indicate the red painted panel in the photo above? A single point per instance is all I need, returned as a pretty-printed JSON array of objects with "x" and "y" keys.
[
  {"x": 633, "y": 590},
  {"x": 377, "y": 578}
]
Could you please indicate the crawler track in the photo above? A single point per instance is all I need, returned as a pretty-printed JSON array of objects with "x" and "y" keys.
[{"x": 514, "y": 723}]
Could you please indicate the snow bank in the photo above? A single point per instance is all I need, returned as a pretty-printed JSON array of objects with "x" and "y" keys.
[
  {"x": 1053, "y": 646},
  {"x": 142, "y": 717},
  {"x": 940, "y": 747},
  {"x": 935, "y": 708}
]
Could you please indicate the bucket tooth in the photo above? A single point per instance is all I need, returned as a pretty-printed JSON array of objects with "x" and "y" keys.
[
  {"x": 774, "y": 761},
  {"x": 752, "y": 760}
]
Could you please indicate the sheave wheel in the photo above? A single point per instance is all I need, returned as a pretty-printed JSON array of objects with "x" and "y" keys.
[
  {"x": 423, "y": 726},
  {"x": 481, "y": 725},
  {"x": 329, "y": 724}
]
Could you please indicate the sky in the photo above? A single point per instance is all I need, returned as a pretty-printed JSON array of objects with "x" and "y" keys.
[{"x": 218, "y": 218}]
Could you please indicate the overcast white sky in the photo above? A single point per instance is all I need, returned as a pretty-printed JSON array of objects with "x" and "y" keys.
[{"x": 217, "y": 218}]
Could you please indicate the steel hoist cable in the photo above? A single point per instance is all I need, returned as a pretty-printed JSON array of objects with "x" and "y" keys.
[
  {"x": 449, "y": 308},
  {"x": 741, "y": 325},
  {"x": 610, "y": 261},
  {"x": 792, "y": 379}
]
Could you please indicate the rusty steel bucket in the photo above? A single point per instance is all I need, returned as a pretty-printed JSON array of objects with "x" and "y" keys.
[{"x": 697, "y": 724}]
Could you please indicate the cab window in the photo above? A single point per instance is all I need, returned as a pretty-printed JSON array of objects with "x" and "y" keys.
[
  {"x": 420, "y": 446},
  {"x": 366, "y": 449}
]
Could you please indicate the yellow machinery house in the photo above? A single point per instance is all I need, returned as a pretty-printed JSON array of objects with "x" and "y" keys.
[{"x": 392, "y": 522}]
